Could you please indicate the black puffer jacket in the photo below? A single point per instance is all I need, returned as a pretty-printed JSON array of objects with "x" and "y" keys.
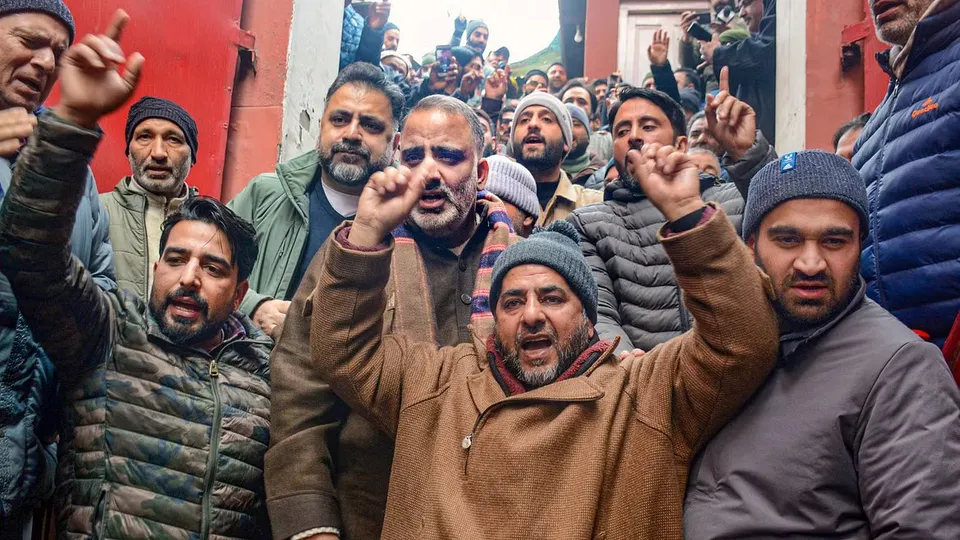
[{"x": 639, "y": 299}]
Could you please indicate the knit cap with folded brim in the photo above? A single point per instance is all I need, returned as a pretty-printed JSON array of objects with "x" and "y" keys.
[
  {"x": 555, "y": 106},
  {"x": 55, "y": 8},
  {"x": 812, "y": 174},
  {"x": 556, "y": 247},
  {"x": 513, "y": 183}
]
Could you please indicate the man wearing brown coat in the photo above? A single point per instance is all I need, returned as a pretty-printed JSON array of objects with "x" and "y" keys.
[
  {"x": 538, "y": 431},
  {"x": 327, "y": 468}
]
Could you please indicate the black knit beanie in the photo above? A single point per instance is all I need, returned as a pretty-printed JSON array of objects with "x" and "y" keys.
[
  {"x": 151, "y": 107},
  {"x": 556, "y": 247},
  {"x": 55, "y": 8}
]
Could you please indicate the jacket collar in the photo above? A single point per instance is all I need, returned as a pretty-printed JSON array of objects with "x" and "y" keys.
[
  {"x": 565, "y": 189},
  {"x": 238, "y": 327},
  {"x": 296, "y": 176},
  {"x": 790, "y": 343},
  {"x": 127, "y": 188},
  {"x": 512, "y": 386}
]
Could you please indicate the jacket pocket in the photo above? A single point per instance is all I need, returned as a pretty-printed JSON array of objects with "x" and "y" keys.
[{"x": 99, "y": 525}]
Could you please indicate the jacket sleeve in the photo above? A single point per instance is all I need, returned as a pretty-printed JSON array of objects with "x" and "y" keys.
[
  {"x": 245, "y": 205},
  {"x": 735, "y": 337},
  {"x": 373, "y": 373},
  {"x": 371, "y": 41},
  {"x": 608, "y": 308},
  {"x": 907, "y": 449},
  {"x": 665, "y": 81},
  {"x": 306, "y": 417},
  {"x": 689, "y": 55},
  {"x": 746, "y": 57},
  {"x": 69, "y": 314},
  {"x": 101, "y": 252},
  {"x": 744, "y": 169}
]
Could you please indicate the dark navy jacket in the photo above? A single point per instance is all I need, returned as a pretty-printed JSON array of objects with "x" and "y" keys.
[{"x": 909, "y": 156}]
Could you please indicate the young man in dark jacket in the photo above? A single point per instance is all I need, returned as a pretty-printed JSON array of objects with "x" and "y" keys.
[
  {"x": 167, "y": 402},
  {"x": 909, "y": 156},
  {"x": 639, "y": 297},
  {"x": 856, "y": 434}
]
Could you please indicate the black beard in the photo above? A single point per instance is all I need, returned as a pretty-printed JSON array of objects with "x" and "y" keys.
[
  {"x": 567, "y": 354},
  {"x": 181, "y": 335},
  {"x": 551, "y": 157}
]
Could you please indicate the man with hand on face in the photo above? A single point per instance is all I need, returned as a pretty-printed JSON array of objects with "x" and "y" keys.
[
  {"x": 328, "y": 467},
  {"x": 542, "y": 135},
  {"x": 859, "y": 423},
  {"x": 295, "y": 208},
  {"x": 909, "y": 156},
  {"x": 167, "y": 401},
  {"x": 535, "y": 81},
  {"x": 474, "y": 424},
  {"x": 639, "y": 297},
  {"x": 162, "y": 147},
  {"x": 33, "y": 38}
]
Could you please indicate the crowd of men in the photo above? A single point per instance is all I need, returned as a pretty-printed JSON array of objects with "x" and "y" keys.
[{"x": 545, "y": 307}]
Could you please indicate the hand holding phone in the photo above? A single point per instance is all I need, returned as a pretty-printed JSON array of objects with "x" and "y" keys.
[{"x": 444, "y": 57}]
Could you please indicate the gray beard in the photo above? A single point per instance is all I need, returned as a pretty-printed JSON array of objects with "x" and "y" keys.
[{"x": 567, "y": 354}]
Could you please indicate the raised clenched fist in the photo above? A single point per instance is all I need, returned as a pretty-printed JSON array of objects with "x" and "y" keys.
[
  {"x": 668, "y": 178},
  {"x": 386, "y": 201}
]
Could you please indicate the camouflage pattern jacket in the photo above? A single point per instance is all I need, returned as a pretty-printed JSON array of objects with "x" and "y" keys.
[{"x": 161, "y": 441}]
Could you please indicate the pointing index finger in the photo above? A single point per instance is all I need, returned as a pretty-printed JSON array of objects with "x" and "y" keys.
[
  {"x": 114, "y": 30},
  {"x": 725, "y": 79}
]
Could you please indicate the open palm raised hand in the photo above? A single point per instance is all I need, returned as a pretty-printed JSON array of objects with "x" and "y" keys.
[
  {"x": 732, "y": 122},
  {"x": 91, "y": 84}
]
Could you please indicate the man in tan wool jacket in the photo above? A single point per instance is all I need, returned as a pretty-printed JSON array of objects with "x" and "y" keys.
[{"x": 541, "y": 431}]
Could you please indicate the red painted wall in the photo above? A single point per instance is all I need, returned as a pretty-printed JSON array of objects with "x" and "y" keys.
[
  {"x": 190, "y": 59},
  {"x": 600, "y": 38},
  {"x": 832, "y": 96},
  {"x": 256, "y": 116}
]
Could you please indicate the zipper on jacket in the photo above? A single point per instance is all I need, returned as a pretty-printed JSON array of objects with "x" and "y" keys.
[
  {"x": 146, "y": 247},
  {"x": 684, "y": 315},
  {"x": 214, "y": 448}
]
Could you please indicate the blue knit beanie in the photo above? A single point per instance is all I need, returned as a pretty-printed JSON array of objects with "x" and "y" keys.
[
  {"x": 813, "y": 174},
  {"x": 556, "y": 247}
]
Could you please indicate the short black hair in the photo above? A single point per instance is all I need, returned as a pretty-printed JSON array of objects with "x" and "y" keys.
[
  {"x": 694, "y": 118},
  {"x": 484, "y": 116},
  {"x": 533, "y": 72},
  {"x": 577, "y": 84},
  {"x": 857, "y": 123},
  {"x": 241, "y": 234},
  {"x": 557, "y": 64},
  {"x": 670, "y": 108},
  {"x": 597, "y": 82},
  {"x": 692, "y": 76},
  {"x": 372, "y": 77}
]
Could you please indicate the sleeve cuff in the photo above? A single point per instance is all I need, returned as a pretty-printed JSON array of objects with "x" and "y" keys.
[
  {"x": 312, "y": 532},
  {"x": 690, "y": 221}
]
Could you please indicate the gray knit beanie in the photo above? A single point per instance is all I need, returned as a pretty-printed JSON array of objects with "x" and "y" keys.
[
  {"x": 813, "y": 174},
  {"x": 514, "y": 184},
  {"x": 55, "y": 8},
  {"x": 556, "y": 247},
  {"x": 473, "y": 25},
  {"x": 556, "y": 107},
  {"x": 578, "y": 114}
]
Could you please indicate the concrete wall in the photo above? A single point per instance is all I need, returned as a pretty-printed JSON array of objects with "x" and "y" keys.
[
  {"x": 792, "y": 75},
  {"x": 312, "y": 63}
]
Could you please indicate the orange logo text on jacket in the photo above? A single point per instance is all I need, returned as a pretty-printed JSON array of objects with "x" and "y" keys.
[{"x": 927, "y": 106}]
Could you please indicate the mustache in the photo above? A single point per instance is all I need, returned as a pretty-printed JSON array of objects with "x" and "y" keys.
[
  {"x": 342, "y": 147},
  {"x": 437, "y": 185},
  {"x": 183, "y": 293},
  {"x": 798, "y": 277},
  {"x": 540, "y": 328}
]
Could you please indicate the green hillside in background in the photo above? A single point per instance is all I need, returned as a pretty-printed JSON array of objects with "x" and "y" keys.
[{"x": 540, "y": 60}]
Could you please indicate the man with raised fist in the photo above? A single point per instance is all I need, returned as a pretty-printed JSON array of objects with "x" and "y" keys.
[
  {"x": 167, "y": 401},
  {"x": 542, "y": 410}
]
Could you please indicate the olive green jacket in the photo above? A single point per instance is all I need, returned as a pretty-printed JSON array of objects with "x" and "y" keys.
[
  {"x": 276, "y": 205},
  {"x": 127, "y": 209}
]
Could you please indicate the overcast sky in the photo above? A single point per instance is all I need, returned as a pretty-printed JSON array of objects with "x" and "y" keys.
[{"x": 525, "y": 26}]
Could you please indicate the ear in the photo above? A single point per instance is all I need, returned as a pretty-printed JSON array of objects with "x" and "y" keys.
[
  {"x": 593, "y": 331},
  {"x": 752, "y": 241},
  {"x": 527, "y": 222},
  {"x": 682, "y": 143},
  {"x": 396, "y": 142},
  {"x": 238, "y": 295},
  {"x": 483, "y": 171}
]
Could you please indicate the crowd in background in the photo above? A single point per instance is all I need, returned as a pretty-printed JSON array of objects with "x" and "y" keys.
[{"x": 613, "y": 294}]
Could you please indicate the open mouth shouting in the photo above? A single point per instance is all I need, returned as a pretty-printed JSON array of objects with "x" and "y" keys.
[
  {"x": 535, "y": 349},
  {"x": 433, "y": 200},
  {"x": 186, "y": 308}
]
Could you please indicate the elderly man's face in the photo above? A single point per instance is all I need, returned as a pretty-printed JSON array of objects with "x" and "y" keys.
[
  {"x": 810, "y": 248},
  {"x": 702, "y": 137},
  {"x": 541, "y": 328},
  {"x": 160, "y": 158},
  {"x": 31, "y": 45},
  {"x": 440, "y": 146},
  {"x": 706, "y": 163},
  {"x": 538, "y": 139}
]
